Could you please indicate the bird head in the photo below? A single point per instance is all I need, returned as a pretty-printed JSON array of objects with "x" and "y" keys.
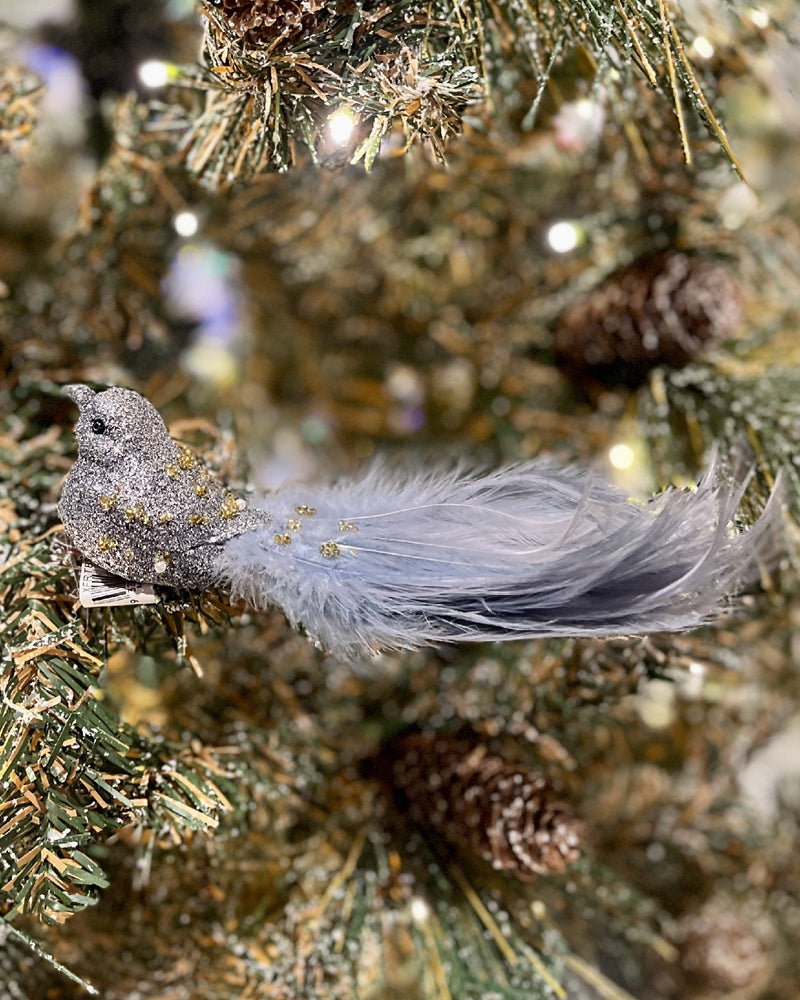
[{"x": 117, "y": 426}]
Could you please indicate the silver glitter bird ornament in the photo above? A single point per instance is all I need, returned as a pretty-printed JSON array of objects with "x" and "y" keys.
[
  {"x": 140, "y": 505},
  {"x": 397, "y": 561}
]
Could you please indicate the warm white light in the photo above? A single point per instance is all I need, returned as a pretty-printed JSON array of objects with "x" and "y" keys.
[
  {"x": 621, "y": 456},
  {"x": 340, "y": 126},
  {"x": 656, "y": 704},
  {"x": 420, "y": 911},
  {"x": 702, "y": 47},
  {"x": 760, "y": 18},
  {"x": 186, "y": 223},
  {"x": 737, "y": 205},
  {"x": 563, "y": 236},
  {"x": 154, "y": 73}
]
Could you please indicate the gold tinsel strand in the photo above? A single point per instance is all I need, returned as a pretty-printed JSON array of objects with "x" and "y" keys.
[{"x": 483, "y": 805}]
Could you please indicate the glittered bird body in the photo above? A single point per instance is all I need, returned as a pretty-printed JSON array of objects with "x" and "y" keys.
[
  {"x": 140, "y": 505},
  {"x": 397, "y": 561}
]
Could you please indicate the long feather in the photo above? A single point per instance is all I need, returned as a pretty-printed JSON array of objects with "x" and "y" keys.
[{"x": 388, "y": 561}]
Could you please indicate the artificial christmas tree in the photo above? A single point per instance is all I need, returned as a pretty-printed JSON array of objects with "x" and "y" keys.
[{"x": 198, "y": 794}]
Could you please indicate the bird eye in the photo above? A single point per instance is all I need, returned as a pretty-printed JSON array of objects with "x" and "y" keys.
[{"x": 99, "y": 425}]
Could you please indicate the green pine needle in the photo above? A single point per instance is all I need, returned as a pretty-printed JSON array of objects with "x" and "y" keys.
[{"x": 410, "y": 72}]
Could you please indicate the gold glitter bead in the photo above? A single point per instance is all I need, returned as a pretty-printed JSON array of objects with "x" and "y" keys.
[
  {"x": 196, "y": 520},
  {"x": 347, "y": 526},
  {"x": 137, "y": 513},
  {"x": 293, "y": 525},
  {"x": 128, "y": 554},
  {"x": 201, "y": 489},
  {"x": 105, "y": 543},
  {"x": 166, "y": 517},
  {"x": 283, "y": 539},
  {"x": 108, "y": 503},
  {"x": 304, "y": 511},
  {"x": 186, "y": 459},
  {"x": 172, "y": 470},
  {"x": 230, "y": 507},
  {"x": 330, "y": 550}
]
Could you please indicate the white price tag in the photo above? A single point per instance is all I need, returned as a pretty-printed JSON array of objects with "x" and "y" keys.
[{"x": 100, "y": 589}]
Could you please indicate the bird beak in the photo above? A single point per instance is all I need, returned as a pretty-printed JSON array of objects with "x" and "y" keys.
[{"x": 80, "y": 394}]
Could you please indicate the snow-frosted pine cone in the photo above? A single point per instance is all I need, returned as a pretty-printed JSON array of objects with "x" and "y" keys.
[
  {"x": 482, "y": 804},
  {"x": 260, "y": 22}
]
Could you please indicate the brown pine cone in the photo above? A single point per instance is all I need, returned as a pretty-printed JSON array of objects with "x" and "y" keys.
[
  {"x": 481, "y": 804},
  {"x": 260, "y": 22},
  {"x": 725, "y": 946},
  {"x": 664, "y": 308}
]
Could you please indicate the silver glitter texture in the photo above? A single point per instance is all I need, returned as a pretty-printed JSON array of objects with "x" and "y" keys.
[{"x": 140, "y": 505}]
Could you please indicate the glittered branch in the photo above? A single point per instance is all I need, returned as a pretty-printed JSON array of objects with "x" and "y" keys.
[
  {"x": 71, "y": 773},
  {"x": 273, "y": 74},
  {"x": 20, "y": 93},
  {"x": 689, "y": 411}
]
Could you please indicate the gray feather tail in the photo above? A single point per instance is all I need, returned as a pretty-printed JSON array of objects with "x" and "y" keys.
[{"x": 531, "y": 550}]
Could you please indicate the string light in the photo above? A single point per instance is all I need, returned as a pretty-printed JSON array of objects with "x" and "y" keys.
[
  {"x": 186, "y": 223},
  {"x": 340, "y": 126},
  {"x": 563, "y": 236},
  {"x": 702, "y": 47},
  {"x": 621, "y": 456},
  {"x": 655, "y": 703},
  {"x": 154, "y": 73},
  {"x": 420, "y": 911}
]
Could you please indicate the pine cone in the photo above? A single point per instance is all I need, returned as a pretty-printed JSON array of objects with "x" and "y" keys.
[
  {"x": 481, "y": 804},
  {"x": 664, "y": 308},
  {"x": 725, "y": 945},
  {"x": 260, "y": 22}
]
